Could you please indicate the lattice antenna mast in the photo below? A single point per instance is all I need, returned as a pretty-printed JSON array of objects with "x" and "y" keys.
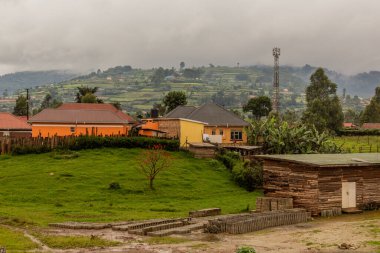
[{"x": 276, "y": 80}]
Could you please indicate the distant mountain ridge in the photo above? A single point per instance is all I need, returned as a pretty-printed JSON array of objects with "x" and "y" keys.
[{"x": 29, "y": 79}]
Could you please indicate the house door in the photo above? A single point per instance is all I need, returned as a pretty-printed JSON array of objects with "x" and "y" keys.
[{"x": 348, "y": 194}]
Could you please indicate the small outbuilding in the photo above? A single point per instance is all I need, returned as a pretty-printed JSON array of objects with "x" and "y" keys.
[
  {"x": 324, "y": 182},
  {"x": 13, "y": 126}
]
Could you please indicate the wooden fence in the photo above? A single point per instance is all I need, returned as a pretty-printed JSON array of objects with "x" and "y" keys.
[{"x": 7, "y": 145}]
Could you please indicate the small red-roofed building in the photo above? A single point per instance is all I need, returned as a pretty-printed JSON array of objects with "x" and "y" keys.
[{"x": 13, "y": 126}]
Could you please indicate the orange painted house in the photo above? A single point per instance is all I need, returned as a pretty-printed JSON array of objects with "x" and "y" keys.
[
  {"x": 150, "y": 129},
  {"x": 81, "y": 119}
]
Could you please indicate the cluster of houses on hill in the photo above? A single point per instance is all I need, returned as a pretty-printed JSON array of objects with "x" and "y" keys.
[{"x": 207, "y": 123}]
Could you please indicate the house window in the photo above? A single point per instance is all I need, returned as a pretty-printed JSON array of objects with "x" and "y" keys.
[
  {"x": 213, "y": 132},
  {"x": 236, "y": 135},
  {"x": 221, "y": 132},
  {"x": 72, "y": 130}
]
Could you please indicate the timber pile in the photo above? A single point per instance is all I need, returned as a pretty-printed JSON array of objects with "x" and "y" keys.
[
  {"x": 205, "y": 212},
  {"x": 80, "y": 225},
  {"x": 265, "y": 204},
  {"x": 146, "y": 224},
  {"x": 257, "y": 221}
]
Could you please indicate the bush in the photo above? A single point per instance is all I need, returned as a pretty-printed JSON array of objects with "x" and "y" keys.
[
  {"x": 248, "y": 175},
  {"x": 92, "y": 142},
  {"x": 229, "y": 159},
  {"x": 246, "y": 250},
  {"x": 114, "y": 186},
  {"x": 358, "y": 132}
]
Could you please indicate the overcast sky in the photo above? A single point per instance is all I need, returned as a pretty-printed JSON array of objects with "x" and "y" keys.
[{"x": 81, "y": 35}]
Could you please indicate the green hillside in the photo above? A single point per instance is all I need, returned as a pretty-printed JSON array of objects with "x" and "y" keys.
[{"x": 39, "y": 189}]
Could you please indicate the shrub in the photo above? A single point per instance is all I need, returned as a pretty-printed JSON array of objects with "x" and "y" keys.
[
  {"x": 92, "y": 142},
  {"x": 229, "y": 159},
  {"x": 114, "y": 186},
  {"x": 245, "y": 250},
  {"x": 248, "y": 175}
]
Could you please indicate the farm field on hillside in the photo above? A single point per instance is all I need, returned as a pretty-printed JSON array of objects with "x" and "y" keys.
[
  {"x": 39, "y": 189},
  {"x": 359, "y": 144}
]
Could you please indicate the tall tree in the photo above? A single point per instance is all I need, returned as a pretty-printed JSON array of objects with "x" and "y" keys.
[
  {"x": 20, "y": 108},
  {"x": 258, "y": 106},
  {"x": 174, "y": 99},
  {"x": 88, "y": 94},
  {"x": 372, "y": 111},
  {"x": 49, "y": 102},
  {"x": 323, "y": 109}
]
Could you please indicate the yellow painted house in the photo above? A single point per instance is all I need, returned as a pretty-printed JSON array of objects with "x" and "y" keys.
[
  {"x": 221, "y": 126},
  {"x": 186, "y": 130}
]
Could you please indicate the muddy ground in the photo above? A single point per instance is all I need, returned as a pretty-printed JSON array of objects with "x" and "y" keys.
[{"x": 323, "y": 235}]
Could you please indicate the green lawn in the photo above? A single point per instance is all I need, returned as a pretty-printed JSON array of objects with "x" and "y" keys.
[
  {"x": 39, "y": 189},
  {"x": 357, "y": 144}
]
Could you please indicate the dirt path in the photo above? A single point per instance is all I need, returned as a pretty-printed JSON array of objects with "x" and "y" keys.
[{"x": 321, "y": 235}]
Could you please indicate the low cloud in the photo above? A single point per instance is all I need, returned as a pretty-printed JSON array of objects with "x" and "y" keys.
[{"x": 91, "y": 34}]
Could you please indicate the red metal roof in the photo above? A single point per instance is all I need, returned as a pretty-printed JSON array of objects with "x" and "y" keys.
[
  {"x": 77, "y": 117},
  {"x": 9, "y": 121},
  {"x": 371, "y": 126}
]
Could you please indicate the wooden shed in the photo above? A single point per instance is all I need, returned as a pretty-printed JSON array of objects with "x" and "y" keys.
[{"x": 324, "y": 182}]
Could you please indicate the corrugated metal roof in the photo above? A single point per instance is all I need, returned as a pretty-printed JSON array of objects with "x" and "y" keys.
[
  {"x": 89, "y": 106},
  {"x": 77, "y": 116},
  {"x": 371, "y": 126},
  {"x": 328, "y": 160},
  {"x": 212, "y": 114},
  {"x": 9, "y": 121}
]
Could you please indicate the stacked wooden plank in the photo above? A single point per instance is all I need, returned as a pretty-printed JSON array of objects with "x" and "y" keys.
[
  {"x": 257, "y": 221},
  {"x": 265, "y": 204},
  {"x": 205, "y": 212}
]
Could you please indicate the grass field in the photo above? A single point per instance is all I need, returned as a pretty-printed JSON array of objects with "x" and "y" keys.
[
  {"x": 39, "y": 189},
  {"x": 359, "y": 144}
]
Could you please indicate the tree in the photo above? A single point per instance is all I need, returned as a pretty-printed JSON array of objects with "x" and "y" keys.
[
  {"x": 259, "y": 106},
  {"x": 49, "y": 102},
  {"x": 20, "y": 108},
  {"x": 372, "y": 111},
  {"x": 90, "y": 92},
  {"x": 182, "y": 65},
  {"x": 323, "y": 109},
  {"x": 174, "y": 99},
  {"x": 153, "y": 161}
]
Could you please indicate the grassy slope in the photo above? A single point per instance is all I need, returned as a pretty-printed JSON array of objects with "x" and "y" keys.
[
  {"x": 40, "y": 189},
  {"x": 15, "y": 241}
]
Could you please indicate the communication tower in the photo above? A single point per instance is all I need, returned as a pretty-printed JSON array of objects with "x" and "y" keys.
[{"x": 276, "y": 80}]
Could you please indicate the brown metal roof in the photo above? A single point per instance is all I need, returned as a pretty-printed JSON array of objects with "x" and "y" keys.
[
  {"x": 77, "y": 117},
  {"x": 90, "y": 106},
  {"x": 212, "y": 114},
  {"x": 10, "y": 122},
  {"x": 87, "y": 106}
]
